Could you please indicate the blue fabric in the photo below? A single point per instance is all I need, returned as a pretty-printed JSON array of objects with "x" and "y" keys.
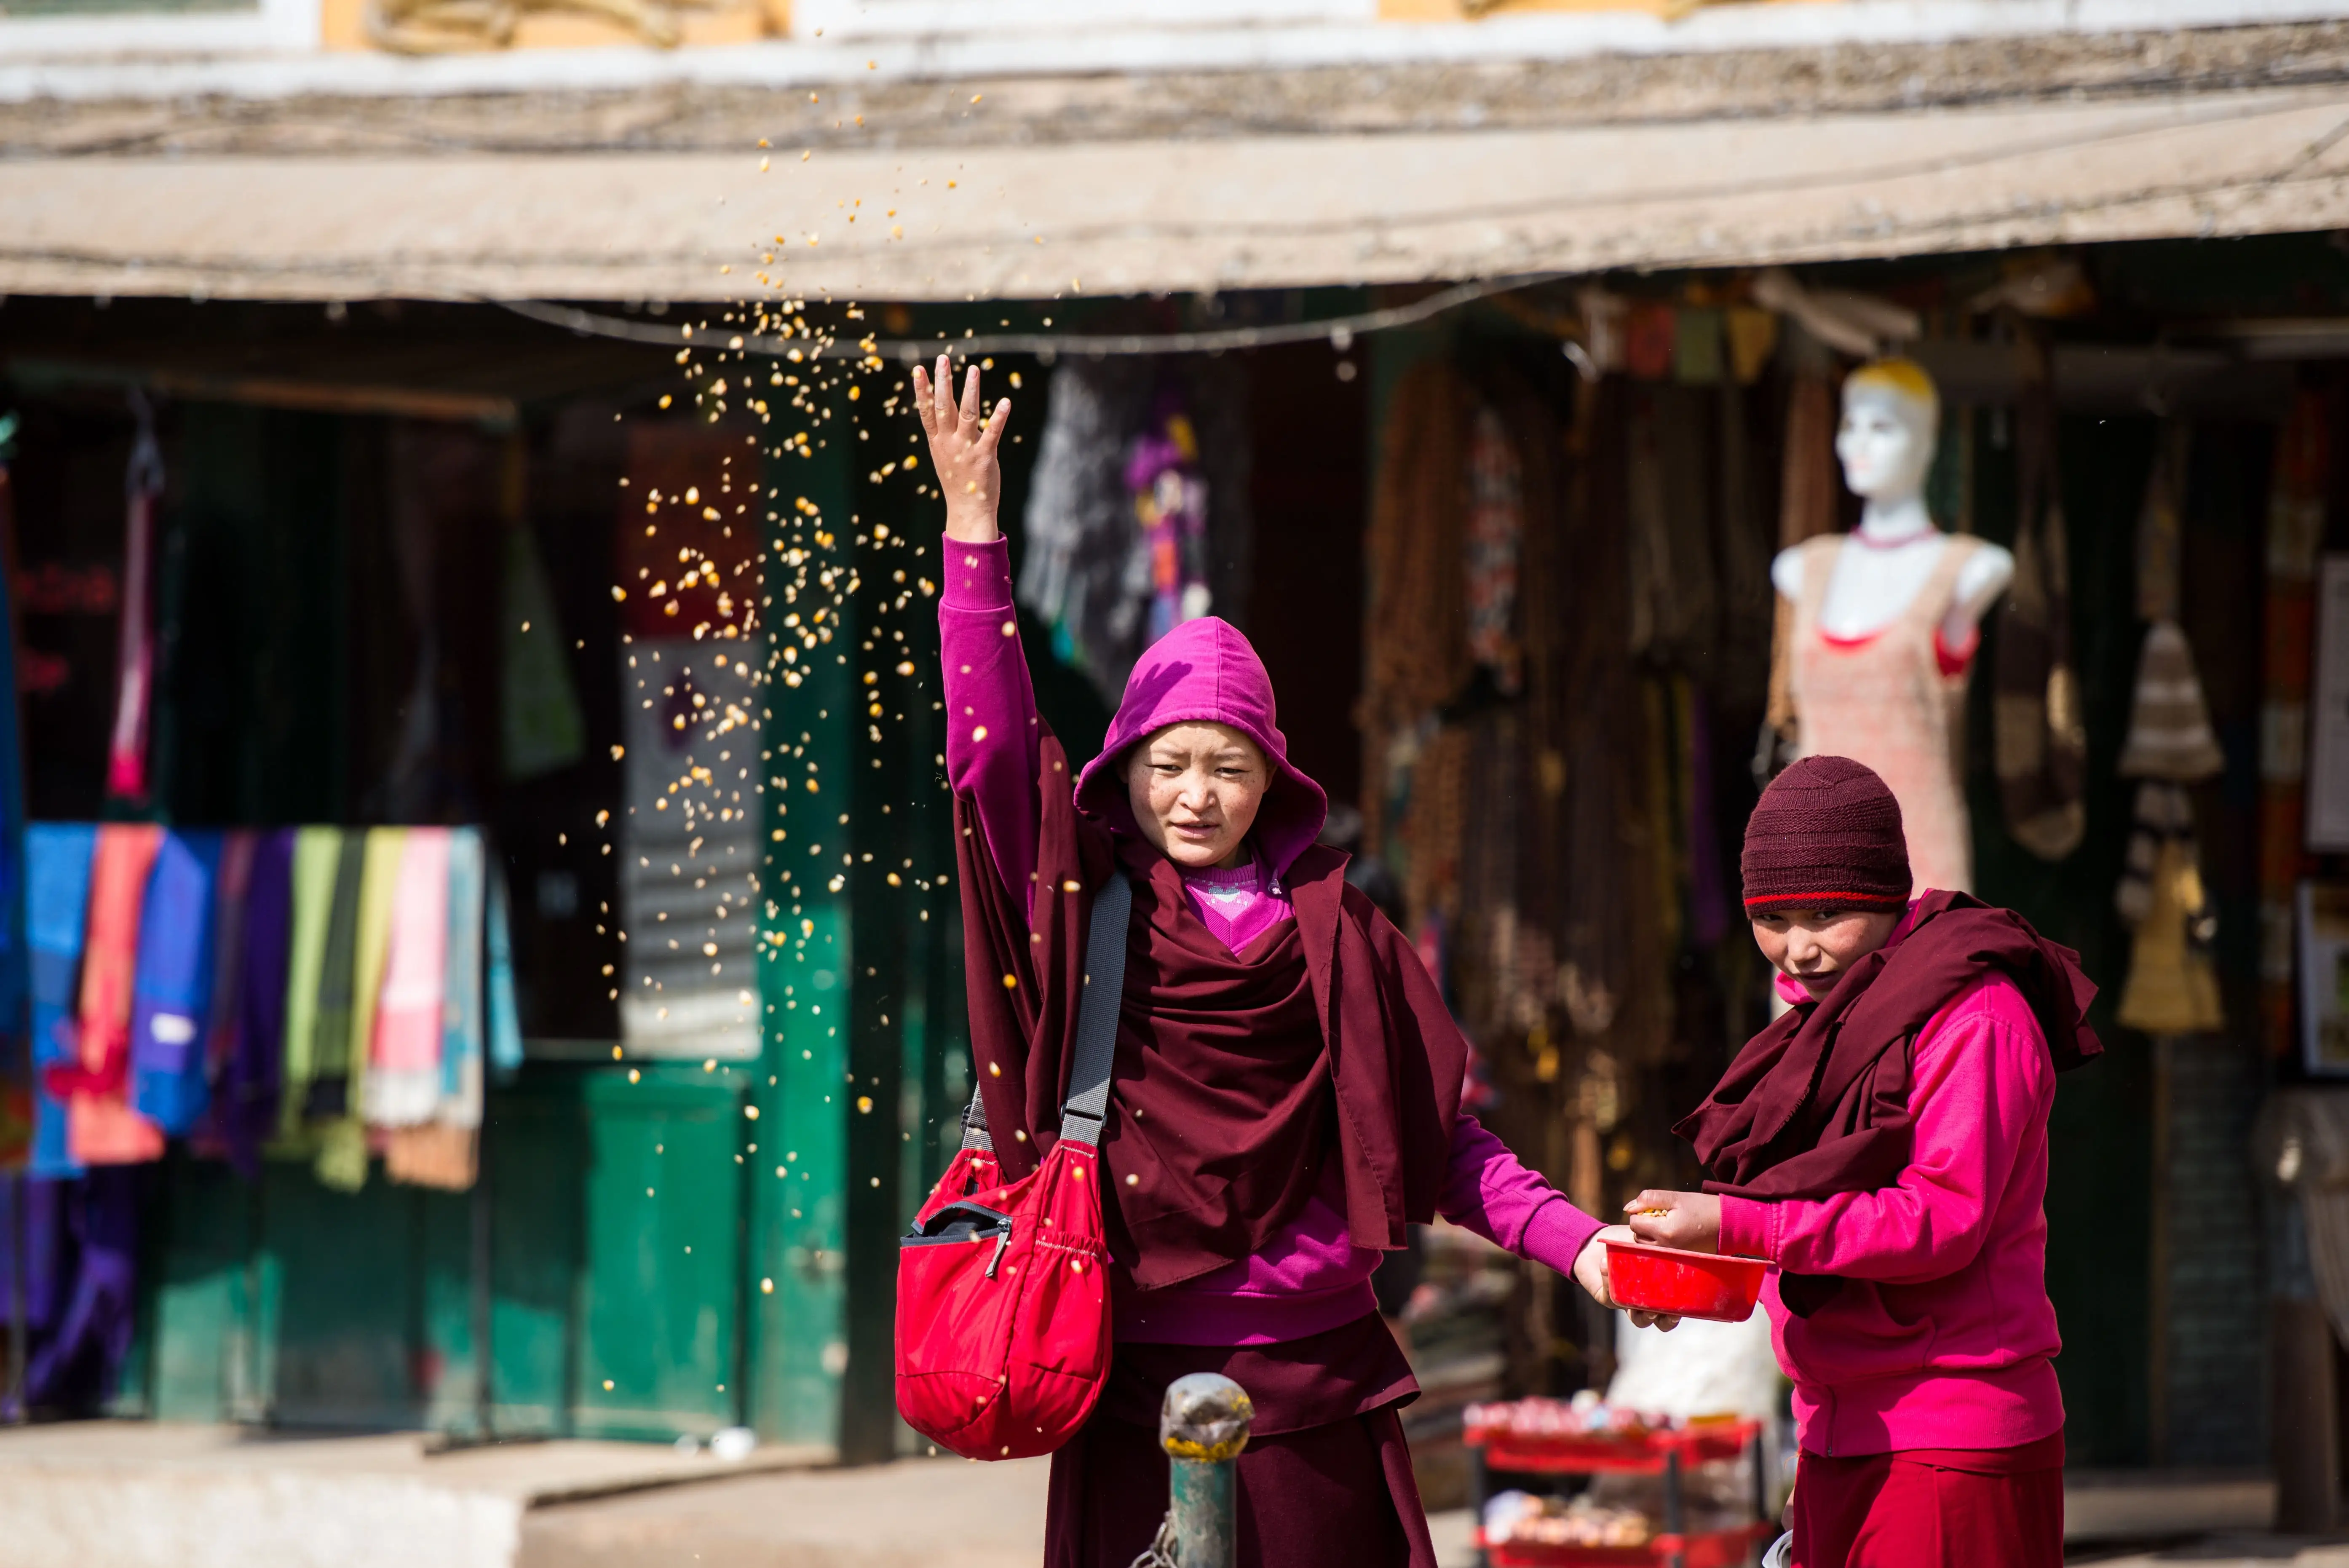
[
  {"x": 170, "y": 999},
  {"x": 460, "y": 1031},
  {"x": 504, "y": 1015},
  {"x": 56, "y": 863}
]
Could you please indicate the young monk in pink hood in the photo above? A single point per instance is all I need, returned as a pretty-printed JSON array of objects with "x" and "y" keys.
[
  {"x": 1885, "y": 1144},
  {"x": 1285, "y": 1099}
]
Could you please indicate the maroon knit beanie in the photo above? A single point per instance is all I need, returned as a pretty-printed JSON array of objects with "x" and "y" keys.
[{"x": 1825, "y": 836}]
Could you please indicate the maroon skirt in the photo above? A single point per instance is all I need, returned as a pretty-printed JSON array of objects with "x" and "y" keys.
[
  {"x": 1932, "y": 1508},
  {"x": 1325, "y": 1481}
]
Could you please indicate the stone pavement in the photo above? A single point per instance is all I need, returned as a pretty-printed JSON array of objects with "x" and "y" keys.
[
  {"x": 128, "y": 1494},
  {"x": 2229, "y": 1551},
  {"x": 918, "y": 1514}
]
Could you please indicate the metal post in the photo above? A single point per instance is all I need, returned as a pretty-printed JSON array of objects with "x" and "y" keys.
[
  {"x": 1675, "y": 1507},
  {"x": 1203, "y": 1427}
]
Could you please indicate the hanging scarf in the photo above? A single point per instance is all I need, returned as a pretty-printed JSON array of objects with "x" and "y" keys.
[
  {"x": 170, "y": 1008},
  {"x": 329, "y": 1074},
  {"x": 126, "y": 756},
  {"x": 443, "y": 1152},
  {"x": 232, "y": 894},
  {"x": 244, "y": 1095},
  {"x": 101, "y": 1128},
  {"x": 1817, "y": 1103},
  {"x": 1237, "y": 1076},
  {"x": 403, "y": 1082},
  {"x": 58, "y": 857},
  {"x": 2042, "y": 745},
  {"x": 316, "y": 856}
]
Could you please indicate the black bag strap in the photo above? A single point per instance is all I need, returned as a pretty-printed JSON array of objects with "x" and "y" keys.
[{"x": 1088, "y": 1103}]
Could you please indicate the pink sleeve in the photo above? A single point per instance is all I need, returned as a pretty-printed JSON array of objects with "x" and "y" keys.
[
  {"x": 991, "y": 733},
  {"x": 1489, "y": 1192},
  {"x": 1983, "y": 1081}
]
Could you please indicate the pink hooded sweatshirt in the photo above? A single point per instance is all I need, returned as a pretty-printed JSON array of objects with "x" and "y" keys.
[
  {"x": 1942, "y": 1335},
  {"x": 1309, "y": 1277}
]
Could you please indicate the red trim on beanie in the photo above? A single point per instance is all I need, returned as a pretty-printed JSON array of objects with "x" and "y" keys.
[{"x": 1834, "y": 900}]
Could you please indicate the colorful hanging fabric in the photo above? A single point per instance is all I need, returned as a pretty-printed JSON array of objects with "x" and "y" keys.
[
  {"x": 1170, "y": 502},
  {"x": 2173, "y": 978},
  {"x": 1416, "y": 656},
  {"x": 231, "y": 886},
  {"x": 1697, "y": 358},
  {"x": 403, "y": 1079},
  {"x": 442, "y": 1151},
  {"x": 170, "y": 1007},
  {"x": 1651, "y": 339},
  {"x": 57, "y": 857},
  {"x": 2040, "y": 743},
  {"x": 245, "y": 1090},
  {"x": 1752, "y": 335},
  {"x": 463, "y": 1019},
  {"x": 329, "y": 1095},
  {"x": 2170, "y": 735},
  {"x": 502, "y": 1009},
  {"x": 311, "y": 877},
  {"x": 1495, "y": 543},
  {"x": 32, "y": 1215},
  {"x": 1085, "y": 572},
  {"x": 94, "y": 1265},
  {"x": 342, "y": 1161},
  {"x": 125, "y": 757},
  {"x": 101, "y": 1128}
]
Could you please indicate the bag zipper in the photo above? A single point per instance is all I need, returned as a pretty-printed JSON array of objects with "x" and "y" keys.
[{"x": 993, "y": 1222}]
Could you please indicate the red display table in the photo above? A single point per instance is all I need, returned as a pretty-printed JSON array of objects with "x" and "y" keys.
[{"x": 1495, "y": 1449}]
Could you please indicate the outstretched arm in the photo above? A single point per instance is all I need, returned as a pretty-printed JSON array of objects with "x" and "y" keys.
[{"x": 992, "y": 729}]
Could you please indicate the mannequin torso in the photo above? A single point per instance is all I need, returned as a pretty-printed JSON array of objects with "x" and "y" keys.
[
  {"x": 1886, "y": 444},
  {"x": 1878, "y": 575}
]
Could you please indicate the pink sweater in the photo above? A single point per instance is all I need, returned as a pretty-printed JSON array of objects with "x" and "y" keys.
[
  {"x": 1942, "y": 1334},
  {"x": 1310, "y": 1276}
]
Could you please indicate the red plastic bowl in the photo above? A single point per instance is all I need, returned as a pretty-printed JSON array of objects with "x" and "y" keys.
[{"x": 1686, "y": 1284}]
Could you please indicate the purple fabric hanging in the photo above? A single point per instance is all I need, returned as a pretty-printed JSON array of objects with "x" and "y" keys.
[
  {"x": 36, "y": 1197},
  {"x": 91, "y": 1267},
  {"x": 245, "y": 1111}
]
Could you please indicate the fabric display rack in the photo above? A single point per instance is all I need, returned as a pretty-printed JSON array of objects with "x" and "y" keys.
[{"x": 1494, "y": 1449}]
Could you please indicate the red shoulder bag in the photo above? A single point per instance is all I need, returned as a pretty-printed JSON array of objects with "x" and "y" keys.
[{"x": 1003, "y": 1330}]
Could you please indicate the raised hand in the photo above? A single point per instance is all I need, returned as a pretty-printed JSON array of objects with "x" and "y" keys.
[{"x": 962, "y": 450}]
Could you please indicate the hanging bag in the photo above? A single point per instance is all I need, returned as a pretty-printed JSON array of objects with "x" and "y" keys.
[{"x": 1003, "y": 1328}]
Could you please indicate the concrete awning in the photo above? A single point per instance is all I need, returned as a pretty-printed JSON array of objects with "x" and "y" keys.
[{"x": 1130, "y": 216}]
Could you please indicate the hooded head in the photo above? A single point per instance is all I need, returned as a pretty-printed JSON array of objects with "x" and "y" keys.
[{"x": 1204, "y": 671}]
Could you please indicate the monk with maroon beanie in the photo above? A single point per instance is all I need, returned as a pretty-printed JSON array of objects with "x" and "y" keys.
[
  {"x": 1285, "y": 1093},
  {"x": 1884, "y": 1143}
]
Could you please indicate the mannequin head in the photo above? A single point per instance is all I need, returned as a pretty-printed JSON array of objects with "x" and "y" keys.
[{"x": 1891, "y": 417}]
